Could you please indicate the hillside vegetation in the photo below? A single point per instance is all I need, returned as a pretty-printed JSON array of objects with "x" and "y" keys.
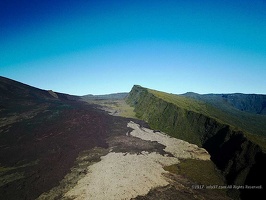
[
  {"x": 236, "y": 147},
  {"x": 252, "y": 123}
]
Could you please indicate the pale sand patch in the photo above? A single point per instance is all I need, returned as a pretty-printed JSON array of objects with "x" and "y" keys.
[
  {"x": 125, "y": 176},
  {"x": 120, "y": 176},
  {"x": 179, "y": 148}
]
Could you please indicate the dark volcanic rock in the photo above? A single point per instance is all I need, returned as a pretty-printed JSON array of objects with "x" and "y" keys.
[{"x": 41, "y": 137}]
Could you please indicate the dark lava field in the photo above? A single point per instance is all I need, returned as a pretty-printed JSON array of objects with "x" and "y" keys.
[{"x": 42, "y": 135}]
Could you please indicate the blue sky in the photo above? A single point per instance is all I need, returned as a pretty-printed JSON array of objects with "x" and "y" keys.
[{"x": 99, "y": 47}]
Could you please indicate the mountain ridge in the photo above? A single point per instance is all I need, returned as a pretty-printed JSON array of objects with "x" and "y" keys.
[
  {"x": 41, "y": 136},
  {"x": 50, "y": 142},
  {"x": 44, "y": 117},
  {"x": 239, "y": 155},
  {"x": 251, "y": 103},
  {"x": 113, "y": 96}
]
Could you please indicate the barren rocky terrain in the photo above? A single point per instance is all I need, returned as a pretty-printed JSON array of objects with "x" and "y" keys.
[
  {"x": 55, "y": 146},
  {"x": 132, "y": 166}
]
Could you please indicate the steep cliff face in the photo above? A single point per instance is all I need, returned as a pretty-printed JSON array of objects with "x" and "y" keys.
[
  {"x": 240, "y": 160},
  {"x": 176, "y": 121}
]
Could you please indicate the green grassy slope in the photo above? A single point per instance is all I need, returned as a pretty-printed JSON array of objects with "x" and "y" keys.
[
  {"x": 172, "y": 106},
  {"x": 253, "y": 125},
  {"x": 232, "y": 140},
  {"x": 246, "y": 117}
]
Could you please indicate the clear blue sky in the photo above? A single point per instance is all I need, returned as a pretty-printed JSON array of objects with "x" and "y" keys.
[{"x": 99, "y": 47}]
